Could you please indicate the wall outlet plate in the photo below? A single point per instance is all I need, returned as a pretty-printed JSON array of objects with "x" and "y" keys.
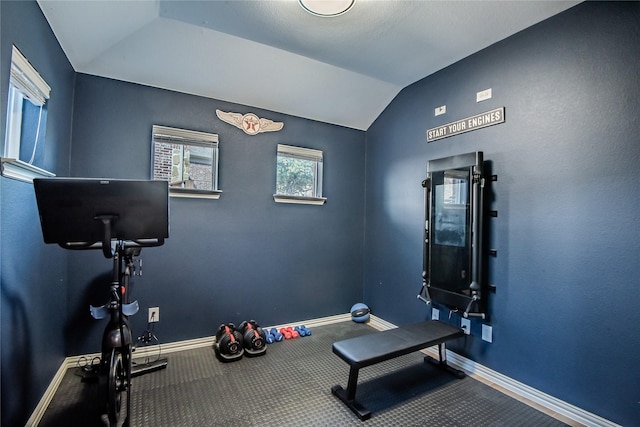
[
  {"x": 465, "y": 324},
  {"x": 487, "y": 333},
  {"x": 154, "y": 314},
  {"x": 483, "y": 95},
  {"x": 435, "y": 314}
]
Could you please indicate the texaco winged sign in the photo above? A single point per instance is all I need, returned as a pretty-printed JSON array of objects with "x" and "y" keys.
[{"x": 249, "y": 123}]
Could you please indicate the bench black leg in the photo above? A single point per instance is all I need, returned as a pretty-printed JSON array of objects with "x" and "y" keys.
[
  {"x": 352, "y": 384},
  {"x": 348, "y": 396},
  {"x": 442, "y": 363}
]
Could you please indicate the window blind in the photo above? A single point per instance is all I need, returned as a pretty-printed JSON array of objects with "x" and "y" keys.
[
  {"x": 301, "y": 153},
  {"x": 169, "y": 134},
  {"x": 27, "y": 80}
]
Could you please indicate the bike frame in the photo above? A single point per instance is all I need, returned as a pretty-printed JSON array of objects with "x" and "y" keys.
[{"x": 117, "y": 333}]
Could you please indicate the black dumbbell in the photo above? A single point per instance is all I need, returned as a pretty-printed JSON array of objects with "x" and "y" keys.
[
  {"x": 253, "y": 336},
  {"x": 229, "y": 340}
]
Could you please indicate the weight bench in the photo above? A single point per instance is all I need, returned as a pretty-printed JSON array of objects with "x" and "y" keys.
[{"x": 367, "y": 350}]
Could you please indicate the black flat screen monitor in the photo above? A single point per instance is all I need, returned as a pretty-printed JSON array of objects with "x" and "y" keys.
[{"x": 75, "y": 211}]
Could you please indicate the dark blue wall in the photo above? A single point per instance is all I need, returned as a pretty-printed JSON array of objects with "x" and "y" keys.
[
  {"x": 237, "y": 258},
  {"x": 565, "y": 313},
  {"x": 33, "y": 276}
]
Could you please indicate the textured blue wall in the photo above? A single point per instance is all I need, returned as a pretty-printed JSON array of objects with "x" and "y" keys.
[
  {"x": 33, "y": 276},
  {"x": 237, "y": 258},
  {"x": 565, "y": 313}
]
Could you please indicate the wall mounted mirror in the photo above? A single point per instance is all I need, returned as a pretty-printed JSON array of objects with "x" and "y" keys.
[{"x": 452, "y": 269}]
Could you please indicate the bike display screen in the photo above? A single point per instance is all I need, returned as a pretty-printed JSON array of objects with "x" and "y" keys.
[{"x": 74, "y": 210}]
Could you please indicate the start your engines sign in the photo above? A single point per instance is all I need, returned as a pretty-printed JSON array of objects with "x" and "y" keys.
[{"x": 479, "y": 121}]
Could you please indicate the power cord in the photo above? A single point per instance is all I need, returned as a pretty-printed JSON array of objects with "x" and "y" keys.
[
  {"x": 88, "y": 369},
  {"x": 148, "y": 338}
]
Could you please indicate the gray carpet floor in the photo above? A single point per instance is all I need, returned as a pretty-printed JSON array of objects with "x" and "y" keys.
[{"x": 291, "y": 386}]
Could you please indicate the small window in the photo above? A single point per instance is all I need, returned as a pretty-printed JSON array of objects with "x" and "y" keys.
[
  {"x": 23, "y": 152},
  {"x": 188, "y": 160},
  {"x": 299, "y": 175}
]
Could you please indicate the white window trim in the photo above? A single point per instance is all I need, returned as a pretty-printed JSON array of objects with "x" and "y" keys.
[
  {"x": 307, "y": 153},
  {"x": 32, "y": 87},
  {"x": 281, "y": 198},
  {"x": 22, "y": 171}
]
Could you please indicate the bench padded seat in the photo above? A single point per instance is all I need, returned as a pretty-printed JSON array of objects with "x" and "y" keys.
[
  {"x": 379, "y": 346},
  {"x": 367, "y": 350}
]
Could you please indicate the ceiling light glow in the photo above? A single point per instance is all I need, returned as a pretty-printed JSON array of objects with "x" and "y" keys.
[{"x": 327, "y": 7}]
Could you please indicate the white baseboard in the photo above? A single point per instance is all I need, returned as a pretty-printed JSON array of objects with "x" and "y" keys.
[
  {"x": 73, "y": 361},
  {"x": 37, "y": 414},
  {"x": 530, "y": 394},
  {"x": 546, "y": 403},
  {"x": 542, "y": 401}
]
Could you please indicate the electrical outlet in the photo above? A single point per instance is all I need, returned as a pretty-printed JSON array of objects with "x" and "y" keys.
[
  {"x": 435, "y": 314},
  {"x": 487, "y": 333},
  {"x": 465, "y": 324},
  {"x": 483, "y": 95},
  {"x": 154, "y": 314}
]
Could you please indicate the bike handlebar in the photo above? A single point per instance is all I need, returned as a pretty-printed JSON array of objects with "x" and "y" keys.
[{"x": 138, "y": 243}]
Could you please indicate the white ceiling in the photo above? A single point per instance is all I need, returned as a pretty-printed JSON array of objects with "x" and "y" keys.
[{"x": 274, "y": 55}]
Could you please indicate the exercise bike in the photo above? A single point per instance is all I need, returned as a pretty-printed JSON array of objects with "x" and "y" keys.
[
  {"x": 120, "y": 217},
  {"x": 114, "y": 375}
]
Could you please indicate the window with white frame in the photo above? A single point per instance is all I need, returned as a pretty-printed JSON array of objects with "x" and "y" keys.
[
  {"x": 188, "y": 160},
  {"x": 298, "y": 175},
  {"x": 23, "y": 152}
]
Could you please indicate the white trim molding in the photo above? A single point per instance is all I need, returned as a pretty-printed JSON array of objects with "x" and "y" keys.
[
  {"x": 72, "y": 361},
  {"x": 22, "y": 171},
  {"x": 42, "y": 406},
  {"x": 543, "y": 402},
  {"x": 176, "y": 192},
  {"x": 546, "y": 403},
  {"x": 281, "y": 198}
]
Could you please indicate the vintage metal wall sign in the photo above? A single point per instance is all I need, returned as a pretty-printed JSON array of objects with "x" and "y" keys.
[
  {"x": 476, "y": 122},
  {"x": 249, "y": 123}
]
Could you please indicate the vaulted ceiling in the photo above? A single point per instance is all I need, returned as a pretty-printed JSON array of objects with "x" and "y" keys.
[{"x": 274, "y": 55}]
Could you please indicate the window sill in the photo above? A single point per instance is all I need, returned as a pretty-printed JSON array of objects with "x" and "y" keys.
[
  {"x": 195, "y": 194},
  {"x": 22, "y": 171},
  {"x": 281, "y": 198}
]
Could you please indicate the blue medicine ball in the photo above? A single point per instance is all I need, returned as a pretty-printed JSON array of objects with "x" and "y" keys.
[{"x": 360, "y": 313}]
